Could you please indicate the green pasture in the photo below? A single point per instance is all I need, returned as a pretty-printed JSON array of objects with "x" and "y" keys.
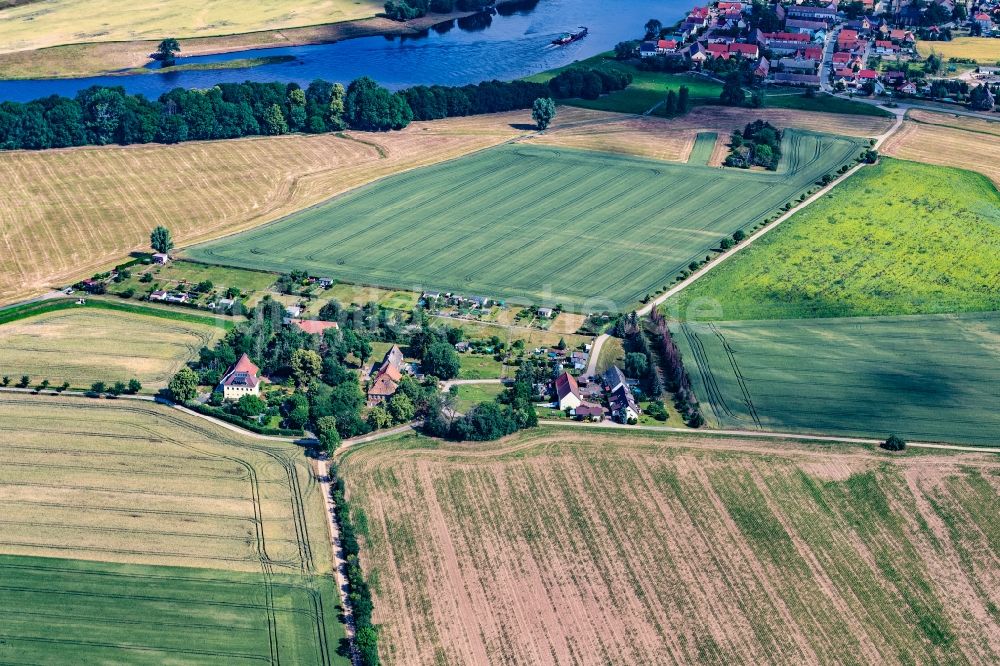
[
  {"x": 531, "y": 224},
  {"x": 647, "y": 89},
  {"x": 896, "y": 238},
  {"x": 113, "y": 613},
  {"x": 470, "y": 395},
  {"x": 930, "y": 377},
  {"x": 479, "y": 366}
]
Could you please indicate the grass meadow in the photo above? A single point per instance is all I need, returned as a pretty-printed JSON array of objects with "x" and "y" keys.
[
  {"x": 681, "y": 549},
  {"x": 531, "y": 224},
  {"x": 132, "y": 533},
  {"x": 897, "y": 238},
  {"x": 931, "y": 377},
  {"x": 824, "y": 103},
  {"x": 647, "y": 90},
  {"x": 81, "y": 345}
]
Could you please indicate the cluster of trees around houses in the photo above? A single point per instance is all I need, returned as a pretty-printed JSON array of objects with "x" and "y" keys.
[
  {"x": 319, "y": 390},
  {"x": 639, "y": 362},
  {"x": 105, "y": 115},
  {"x": 758, "y": 145}
]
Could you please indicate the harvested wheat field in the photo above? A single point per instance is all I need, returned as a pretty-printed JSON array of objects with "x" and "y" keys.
[
  {"x": 82, "y": 346},
  {"x": 132, "y": 533},
  {"x": 73, "y": 21},
  {"x": 673, "y": 139},
  {"x": 65, "y": 214},
  {"x": 948, "y": 140},
  {"x": 136, "y": 482},
  {"x": 575, "y": 547}
]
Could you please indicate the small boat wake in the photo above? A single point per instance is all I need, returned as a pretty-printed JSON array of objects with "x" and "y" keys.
[{"x": 570, "y": 37}]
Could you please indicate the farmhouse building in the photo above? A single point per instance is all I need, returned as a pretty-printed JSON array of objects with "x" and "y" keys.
[
  {"x": 160, "y": 258},
  {"x": 241, "y": 379},
  {"x": 385, "y": 381},
  {"x": 588, "y": 412},
  {"x": 614, "y": 378},
  {"x": 623, "y": 405},
  {"x": 568, "y": 392}
]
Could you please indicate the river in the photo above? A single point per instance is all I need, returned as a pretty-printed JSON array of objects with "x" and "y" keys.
[{"x": 506, "y": 45}]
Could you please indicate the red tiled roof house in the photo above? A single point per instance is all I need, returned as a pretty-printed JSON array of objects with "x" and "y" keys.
[{"x": 241, "y": 379}]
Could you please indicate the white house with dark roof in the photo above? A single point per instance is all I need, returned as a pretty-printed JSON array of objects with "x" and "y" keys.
[{"x": 241, "y": 379}]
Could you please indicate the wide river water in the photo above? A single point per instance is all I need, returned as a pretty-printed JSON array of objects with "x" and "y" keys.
[{"x": 506, "y": 45}]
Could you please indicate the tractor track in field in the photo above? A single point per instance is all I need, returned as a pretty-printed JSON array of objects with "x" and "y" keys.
[{"x": 305, "y": 559}]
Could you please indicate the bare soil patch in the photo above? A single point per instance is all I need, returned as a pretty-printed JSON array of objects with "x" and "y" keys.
[{"x": 680, "y": 549}]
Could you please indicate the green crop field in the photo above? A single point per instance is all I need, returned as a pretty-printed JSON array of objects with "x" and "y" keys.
[
  {"x": 133, "y": 533},
  {"x": 104, "y": 613},
  {"x": 704, "y": 144},
  {"x": 588, "y": 230},
  {"x": 929, "y": 377},
  {"x": 897, "y": 238},
  {"x": 683, "y": 549}
]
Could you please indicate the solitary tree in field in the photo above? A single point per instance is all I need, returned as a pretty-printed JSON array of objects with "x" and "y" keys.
[
  {"x": 543, "y": 111},
  {"x": 167, "y": 52},
  {"x": 160, "y": 240}
]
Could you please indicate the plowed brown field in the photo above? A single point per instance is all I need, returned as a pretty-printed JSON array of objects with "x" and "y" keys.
[{"x": 560, "y": 547}]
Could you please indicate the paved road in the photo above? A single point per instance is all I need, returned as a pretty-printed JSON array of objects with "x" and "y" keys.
[
  {"x": 595, "y": 354},
  {"x": 704, "y": 270}
]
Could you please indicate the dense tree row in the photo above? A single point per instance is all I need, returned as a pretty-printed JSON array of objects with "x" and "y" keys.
[
  {"x": 675, "y": 373},
  {"x": 588, "y": 83},
  {"x": 404, "y": 10},
  {"x": 101, "y": 115},
  {"x": 358, "y": 591},
  {"x": 435, "y": 102}
]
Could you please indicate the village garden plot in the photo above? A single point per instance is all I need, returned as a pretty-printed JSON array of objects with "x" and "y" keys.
[
  {"x": 683, "y": 549},
  {"x": 131, "y": 532},
  {"x": 587, "y": 230},
  {"x": 931, "y": 377}
]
